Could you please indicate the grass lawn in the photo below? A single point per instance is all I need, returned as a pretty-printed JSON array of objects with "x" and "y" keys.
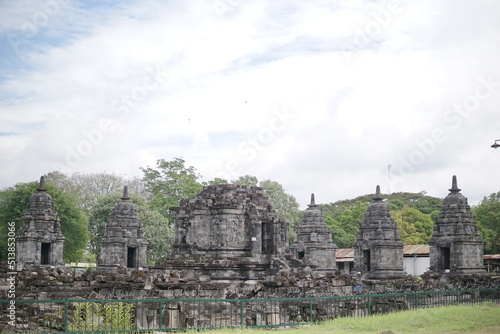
[{"x": 478, "y": 319}]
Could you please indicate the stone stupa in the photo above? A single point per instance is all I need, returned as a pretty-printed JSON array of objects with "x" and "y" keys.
[
  {"x": 314, "y": 242},
  {"x": 39, "y": 240},
  {"x": 456, "y": 246},
  {"x": 123, "y": 244},
  {"x": 378, "y": 249}
]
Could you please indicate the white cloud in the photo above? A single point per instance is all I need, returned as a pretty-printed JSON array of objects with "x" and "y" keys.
[{"x": 368, "y": 84}]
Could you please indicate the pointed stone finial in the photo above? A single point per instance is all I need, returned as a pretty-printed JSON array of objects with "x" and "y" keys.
[
  {"x": 378, "y": 196},
  {"x": 454, "y": 186},
  {"x": 313, "y": 204},
  {"x": 125, "y": 194},
  {"x": 41, "y": 187}
]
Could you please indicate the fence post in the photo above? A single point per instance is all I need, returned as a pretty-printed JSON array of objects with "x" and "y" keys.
[
  {"x": 160, "y": 315},
  {"x": 65, "y": 316},
  {"x": 369, "y": 305},
  {"x": 241, "y": 313},
  {"x": 311, "y": 310}
]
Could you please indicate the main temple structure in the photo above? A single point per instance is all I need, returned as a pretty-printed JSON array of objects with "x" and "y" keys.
[{"x": 228, "y": 231}]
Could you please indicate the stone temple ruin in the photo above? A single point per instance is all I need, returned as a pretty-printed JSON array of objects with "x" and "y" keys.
[
  {"x": 456, "y": 247},
  {"x": 378, "y": 249},
  {"x": 123, "y": 244},
  {"x": 40, "y": 241},
  {"x": 314, "y": 240},
  {"x": 230, "y": 244},
  {"x": 228, "y": 232}
]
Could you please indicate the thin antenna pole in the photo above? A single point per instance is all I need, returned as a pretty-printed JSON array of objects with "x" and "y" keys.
[{"x": 389, "y": 179}]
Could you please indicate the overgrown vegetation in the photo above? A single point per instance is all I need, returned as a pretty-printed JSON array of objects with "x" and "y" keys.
[
  {"x": 488, "y": 218},
  {"x": 102, "y": 317}
]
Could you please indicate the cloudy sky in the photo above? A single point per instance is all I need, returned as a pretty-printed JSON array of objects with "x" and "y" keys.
[{"x": 321, "y": 96}]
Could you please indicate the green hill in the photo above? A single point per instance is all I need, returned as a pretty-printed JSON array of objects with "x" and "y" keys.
[{"x": 414, "y": 213}]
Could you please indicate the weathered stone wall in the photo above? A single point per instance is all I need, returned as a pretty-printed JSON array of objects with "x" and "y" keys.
[
  {"x": 300, "y": 282},
  {"x": 61, "y": 283}
]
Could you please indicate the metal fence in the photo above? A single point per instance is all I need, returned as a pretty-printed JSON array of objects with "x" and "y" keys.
[{"x": 101, "y": 316}]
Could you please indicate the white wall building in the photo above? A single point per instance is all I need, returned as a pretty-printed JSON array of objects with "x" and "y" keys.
[{"x": 416, "y": 259}]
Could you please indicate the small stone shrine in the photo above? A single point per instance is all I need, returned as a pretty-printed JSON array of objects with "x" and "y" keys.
[
  {"x": 455, "y": 246},
  {"x": 378, "y": 249},
  {"x": 39, "y": 240},
  {"x": 314, "y": 242},
  {"x": 228, "y": 231},
  {"x": 123, "y": 244}
]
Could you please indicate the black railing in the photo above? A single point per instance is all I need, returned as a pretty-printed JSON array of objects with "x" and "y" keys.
[{"x": 143, "y": 315}]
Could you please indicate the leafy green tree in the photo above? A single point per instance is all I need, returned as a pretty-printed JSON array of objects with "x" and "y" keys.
[
  {"x": 487, "y": 215},
  {"x": 344, "y": 222},
  {"x": 156, "y": 228},
  {"x": 395, "y": 204},
  {"x": 407, "y": 231},
  {"x": 433, "y": 215},
  {"x": 169, "y": 183},
  {"x": 13, "y": 202},
  {"x": 247, "y": 180},
  {"x": 414, "y": 226},
  {"x": 215, "y": 182},
  {"x": 285, "y": 205},
  {"x": 158, "y": 233},
  {"x": 396, "y": 201},
  {"x": 420, "y": 201}
]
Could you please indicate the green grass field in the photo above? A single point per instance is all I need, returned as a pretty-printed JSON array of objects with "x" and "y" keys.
[{"x": 479, "y": 319}]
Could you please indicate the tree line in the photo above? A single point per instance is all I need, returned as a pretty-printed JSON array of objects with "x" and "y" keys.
[{"x": 85, "y": 202}]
